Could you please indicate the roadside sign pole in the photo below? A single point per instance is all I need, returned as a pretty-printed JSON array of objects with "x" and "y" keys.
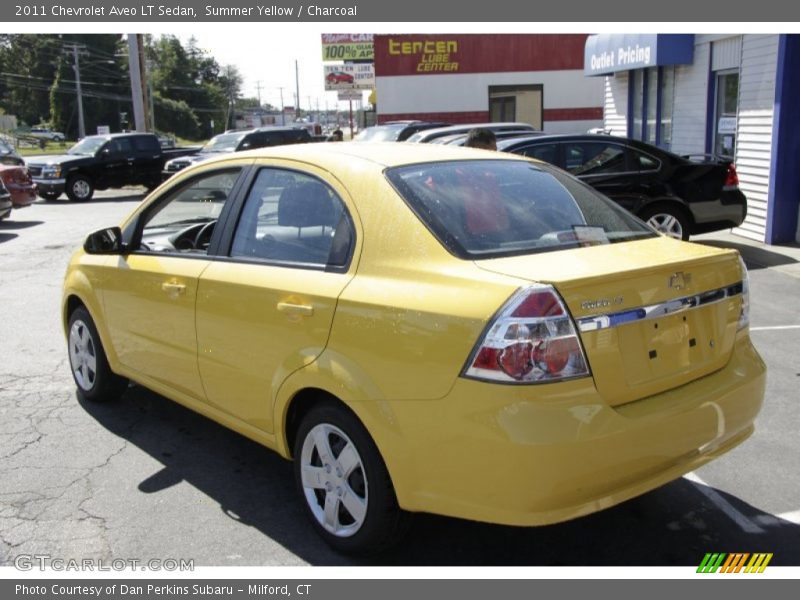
[{"x": 351, "y": 119}]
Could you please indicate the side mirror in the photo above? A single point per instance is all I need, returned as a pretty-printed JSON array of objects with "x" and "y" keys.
[{"x": 104, "y": 241}]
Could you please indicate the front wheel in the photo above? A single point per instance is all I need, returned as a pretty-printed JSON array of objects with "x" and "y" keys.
[
  {"x": 87, "y": 360},
  {"x": 671, "y": 220},
  {"x": 344, "y": 483},
  {"x": 80, "y": 188}
]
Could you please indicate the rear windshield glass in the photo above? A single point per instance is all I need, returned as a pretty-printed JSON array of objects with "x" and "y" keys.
[
  {"x": 491, "y": 208},
  {"x": 379, "y": 133}
]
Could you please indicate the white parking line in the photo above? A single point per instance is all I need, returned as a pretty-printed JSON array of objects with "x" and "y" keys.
[
  {"x": 741, "y": 520},
  {"x": 775, "y": 328}
]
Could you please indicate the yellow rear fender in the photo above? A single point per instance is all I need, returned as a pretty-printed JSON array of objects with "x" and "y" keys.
[{"x": 334, "y": 377}]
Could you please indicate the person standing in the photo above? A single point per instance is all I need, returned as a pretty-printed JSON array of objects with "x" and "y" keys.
[{"x": 480, "y": 137}]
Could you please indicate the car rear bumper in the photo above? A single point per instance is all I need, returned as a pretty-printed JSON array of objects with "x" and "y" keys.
[
  {"x": 22, "y": 195},
  {"x": 534, "y": 455},
  {"x": 728, "y": 211}
]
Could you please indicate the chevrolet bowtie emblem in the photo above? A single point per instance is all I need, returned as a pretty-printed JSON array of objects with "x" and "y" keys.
[{"x": 680, "y": 280}]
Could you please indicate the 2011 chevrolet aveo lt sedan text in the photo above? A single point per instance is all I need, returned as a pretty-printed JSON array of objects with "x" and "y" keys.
[{"x": 422, "y": 329}]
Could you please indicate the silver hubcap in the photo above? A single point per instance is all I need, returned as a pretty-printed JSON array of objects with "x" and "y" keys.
[
  {"x": 81, "y": 189},
  {"x": 666, "y": 224},
  {"x": 334, "y": 480},
  {"x": 82, "y": 356}
]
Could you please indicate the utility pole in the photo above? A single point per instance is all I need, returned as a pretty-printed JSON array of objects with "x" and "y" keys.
[
  {"x": 297, "y": 89},
  {"x": 135, "y": 69},
  {"x": 258, "y": 91},
  {"x": 283, "y": 112},
  {"x": 143, "y": 66},
  {"x": 77, "y": 50}
]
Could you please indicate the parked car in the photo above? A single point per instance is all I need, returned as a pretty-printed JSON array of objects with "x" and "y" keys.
[
  {"x": 99, "y": 162},
  {"x": 458, "y": 139},
  {"x": 9, "y": 156},
  {"x": 5, "y": 202},
  {"x": 395, "y": 131},
  {"x": 427, "y": 136},
  {"x": 339, "y": 77},
  {"x": 19, "y": 184},
  {"x": 47, "y": 134},
  {"x": 519, "y": 350},
  {"x": 676, "y": 196},
  {"x": 236, "y": 141}
]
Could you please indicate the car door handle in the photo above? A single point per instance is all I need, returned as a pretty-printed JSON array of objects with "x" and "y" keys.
[
  {"x": 173, "y": 288},
  {"x": 295, "y": 309}
]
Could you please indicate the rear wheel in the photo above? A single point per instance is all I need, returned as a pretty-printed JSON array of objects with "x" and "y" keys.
[
  {"x": 669, "y": 219},
  {"x": 79, "y": 188},
  {"x": 344, "y": 483},
  {"x": 88, "y": 361}
]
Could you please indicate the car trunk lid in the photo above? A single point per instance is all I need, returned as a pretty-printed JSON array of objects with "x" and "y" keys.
[{"x": 652, "y": 314}]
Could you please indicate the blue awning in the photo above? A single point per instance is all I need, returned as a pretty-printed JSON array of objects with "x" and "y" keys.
[{"x": 609, "y": 53}]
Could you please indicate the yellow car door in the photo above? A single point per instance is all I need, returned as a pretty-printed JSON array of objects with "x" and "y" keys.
[
  {"x": 150, "y": 295},
  {"x": 266, "y": 309}
]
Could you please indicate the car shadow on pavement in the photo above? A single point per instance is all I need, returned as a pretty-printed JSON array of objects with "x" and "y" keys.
[
  {"x": 5, "y": 237},
  {"x": 754, "y": 256},
  {"x": 675, "y": 525},
  {"x": 96, "y": 199},
  {"x": 11, "y": 225}
]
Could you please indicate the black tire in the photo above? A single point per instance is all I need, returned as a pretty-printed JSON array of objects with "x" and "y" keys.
[
  {"x": 50, "y": 196},
  {"x": 368, "y": 483},
  {"x": 669, "y": 218},
  {"x": 88, "y": 362},
  {"x": 79, "y": 188}
]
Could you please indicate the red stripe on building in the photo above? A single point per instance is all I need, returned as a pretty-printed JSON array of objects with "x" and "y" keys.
[
  {"x": 482, "y": 116},
  {"x": 573, "y": 114},
  {"x": 456, "y": 118},
  {"x": 451, "y": 54}
]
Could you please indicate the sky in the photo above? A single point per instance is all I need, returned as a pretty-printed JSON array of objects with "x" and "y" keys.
[{"x": 267, "y": 58}]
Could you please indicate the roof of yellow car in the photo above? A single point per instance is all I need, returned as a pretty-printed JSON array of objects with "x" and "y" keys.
[{"x": 386, "y": 154}]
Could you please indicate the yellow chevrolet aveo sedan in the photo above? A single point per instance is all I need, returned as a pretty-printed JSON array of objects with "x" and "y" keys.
[{"x": 422, "y": 329}]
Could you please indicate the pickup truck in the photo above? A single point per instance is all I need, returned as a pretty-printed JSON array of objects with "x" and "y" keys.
[{"x": 99, "y": 162}]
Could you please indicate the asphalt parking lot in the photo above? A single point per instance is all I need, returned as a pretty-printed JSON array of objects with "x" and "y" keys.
[{"x": 144, "y": 478}]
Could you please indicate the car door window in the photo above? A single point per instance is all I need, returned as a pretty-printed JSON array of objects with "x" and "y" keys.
[
  {"x": 146, "y": 145},
  {"x": 184, "y": 220},
  {"x": 118, "y": 147},
  {"x": 594, "y": 158},
  {"x": 294, "y": 219},
  {"x": 644, "y": 162},
  {"x": 546, "y": 152}
]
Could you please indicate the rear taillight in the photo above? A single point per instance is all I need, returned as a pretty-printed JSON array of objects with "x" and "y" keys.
[
  {"x": 532, "y": 340},
  {"x": 744, "y": 316},
  {"x": 731, "y": 179}
]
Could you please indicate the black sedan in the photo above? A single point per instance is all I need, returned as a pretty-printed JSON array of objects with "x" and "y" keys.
[{"x": 675, "y": 195}]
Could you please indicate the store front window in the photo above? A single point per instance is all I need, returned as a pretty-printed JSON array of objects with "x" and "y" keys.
[
  {"x": 727, "y": 105},
  {"x": 651, "y": 99}
]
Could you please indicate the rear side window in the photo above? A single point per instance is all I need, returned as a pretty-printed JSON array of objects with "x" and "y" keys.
[
  {"x": 146, "y": 143},
  {"x": 546, "y": 152},
  {"x": 293, "y": 219},
  {"x": 594, "y": 158},
  {"x": 491, "y": 208}
]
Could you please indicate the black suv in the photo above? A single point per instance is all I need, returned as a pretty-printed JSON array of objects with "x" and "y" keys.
[
  {"x": 237, "y": 141},
  {"x": 673, "y": 194}
]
